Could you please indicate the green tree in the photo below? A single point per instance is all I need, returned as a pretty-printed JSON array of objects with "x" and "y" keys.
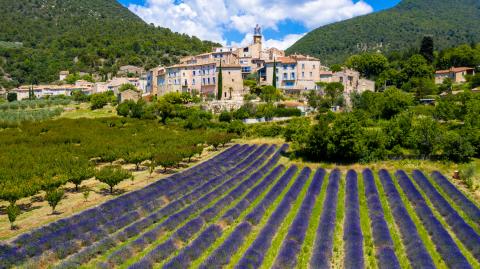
[
  {"x": 98, "y": 101},
  {"x": 126, "y": 87},
  {"x": 11, "y": 96},
  {"x": 270, "y": 94},
  {"x": 112, "y": 176},
  {"x": 425, "y": 135},
  {"x": 456, "y": 148},
  {"x": 370, "y": 65},
  {"x": 395, "y": 101},
  {"x": 225, "y": 116},
  {"x": 220, "y": 83},
  {"x": 333, "y": 91},
  {"x": 417, "y": 67},
  {"x": 13, "y": 211},
  {"x": 274, "y": 80},
  {"x": 427, "y": 49},
  {"x": 79, "y": 172},
  {"x": 137, "y": 157},
  {"x": 475, "y": 81},
  {"x": 167, "y": 160},
  {"x": 53, "y": 196},
  {"x": 345, "y": 139},
  {"x": 336, "y": 68},
  {"x": 165, "y": 110}
]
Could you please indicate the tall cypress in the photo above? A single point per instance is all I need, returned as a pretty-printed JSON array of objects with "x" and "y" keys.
[
  {"x": 220, "y": 82},
  {"x": 274, "y": 82},
  {"x": 427, "y": 48}
]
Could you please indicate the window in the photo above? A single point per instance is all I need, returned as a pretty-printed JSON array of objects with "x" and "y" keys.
[
  {"x": 193, "y": 82},
  {"x": 311, "y": 74},
  {"x": 194, "y": 72},
  {"x": 186, "y": 83},
  {"x": 285, "y": 76},
  {"x": 303, "y": 74},
  {"x": 313, "y": 66},
  {"x": 213, "y": 80},
  {"x": 303, "y": 66}
]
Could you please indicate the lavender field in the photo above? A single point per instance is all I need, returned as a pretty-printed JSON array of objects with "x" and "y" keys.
[{"x": 244, "y": 209}]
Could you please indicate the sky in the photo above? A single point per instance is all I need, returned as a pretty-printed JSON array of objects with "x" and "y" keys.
[{"x": 231, "y": 22}]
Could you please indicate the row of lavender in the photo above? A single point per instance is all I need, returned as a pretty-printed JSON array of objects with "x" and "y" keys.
[
  {"x": 167, "y": 218},
  {"x": 203, "y": 201},
  {"x": 56, "y": 234},
  {"x": 206, "y": 216},
  {"x": 417, "y": 253},
  {"x": 72, "y": 234}
]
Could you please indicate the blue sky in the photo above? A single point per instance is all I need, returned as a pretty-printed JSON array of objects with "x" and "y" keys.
[{"x": 231, "y": 22}]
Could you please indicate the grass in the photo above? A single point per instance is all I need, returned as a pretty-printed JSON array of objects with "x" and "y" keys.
[
  {"x": 368, "y": 246},
  {"x": 463, "y": 249},
  {"x": 282, "y": 232},
  {"x": 256, "y": 229},
  {"x": 307, "y": 247},
  {"x": 422, "y": 231},
  {"x": 400, "y": 250},
  {"x": 338, "y": 246},
  {"x": 230, "y": 228},
  {"x": 83, "y": 111}
]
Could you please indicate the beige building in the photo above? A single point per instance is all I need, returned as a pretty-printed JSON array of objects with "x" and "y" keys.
[
  {"x": 456, "y": 74},
  {"x": 351, "y": 80},
  {"x": 129, "y": 95},
  {"x": 42, "y": 91},
  {"x": 293, "y": 73}
]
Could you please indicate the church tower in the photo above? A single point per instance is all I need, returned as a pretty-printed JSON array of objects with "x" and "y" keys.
[{"x": 257, "y": 35}]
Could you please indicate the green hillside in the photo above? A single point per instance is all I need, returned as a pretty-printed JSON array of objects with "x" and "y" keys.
[
  {"x": 449, "y": 22},
  {"x": 38, "y": 38}
]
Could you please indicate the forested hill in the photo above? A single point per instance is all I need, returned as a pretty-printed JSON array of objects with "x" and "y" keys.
[
  {"x": 38, "y": 38},
  {"x": 449, "y": 22}
]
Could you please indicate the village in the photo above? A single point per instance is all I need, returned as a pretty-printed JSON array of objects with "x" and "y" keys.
[{"x": 295, "y": 75}]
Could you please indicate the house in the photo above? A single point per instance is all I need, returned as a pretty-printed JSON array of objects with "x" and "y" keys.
[
  {"x": 41, "y": 91},
  {"x": 456, "y": 74},
  {"x": 63, "y": 75},
  {"x": 129, "y": 95},
  {"x": 199, "y": 73},
  {"x": 295, "y": 73},
  {"x": 129, "y": 70}
]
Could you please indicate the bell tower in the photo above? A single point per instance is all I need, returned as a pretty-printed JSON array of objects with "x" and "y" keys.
[{"x": 257, "y": 35}]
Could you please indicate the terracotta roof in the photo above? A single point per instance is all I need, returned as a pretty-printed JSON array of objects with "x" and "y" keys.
[
  {"x": 454, "y": 70},
  {"x": 286, "y": 60},
  {"x": 326, "y": 73}
]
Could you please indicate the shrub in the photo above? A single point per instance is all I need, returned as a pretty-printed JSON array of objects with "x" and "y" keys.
[{"x": 225, "y": 116}]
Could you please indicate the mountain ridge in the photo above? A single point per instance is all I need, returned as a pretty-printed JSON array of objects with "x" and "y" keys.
[
  {"x": 397, "y": 28},
  {"x": 94, "y": 36}
]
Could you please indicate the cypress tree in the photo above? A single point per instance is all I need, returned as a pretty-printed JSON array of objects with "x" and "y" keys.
[
  {"x": 274, "y": 82},
  {"x": 220, "y": 83},
  {"x": 427, "y": 48}
]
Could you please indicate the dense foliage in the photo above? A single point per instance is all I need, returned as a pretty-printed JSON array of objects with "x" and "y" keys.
[
  {"x": 65, "y": 151},
  {"x": 449, "y": 22},
  {"x": 93, "y": 36}
]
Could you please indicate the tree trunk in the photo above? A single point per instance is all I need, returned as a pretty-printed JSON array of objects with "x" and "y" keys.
[{"x": 111, "y": 189}]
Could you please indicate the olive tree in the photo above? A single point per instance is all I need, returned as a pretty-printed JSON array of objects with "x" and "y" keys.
[{"x": 112, "y": 176}]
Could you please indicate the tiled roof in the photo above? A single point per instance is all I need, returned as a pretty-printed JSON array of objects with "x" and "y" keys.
[{"x": 454, "y": 70}]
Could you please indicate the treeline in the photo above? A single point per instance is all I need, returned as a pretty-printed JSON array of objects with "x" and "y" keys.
[
  {"x": 413, "y": 70},
  {"x": 403, "y": 26},
  {"x": 388, "y": 125},
  {"x": 46, "y": 155},
  {"x": 90, "y": 36}
]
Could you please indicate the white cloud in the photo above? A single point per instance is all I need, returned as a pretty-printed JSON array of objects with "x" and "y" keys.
[
  {"x": 285, "y": 43},
  {"x": 210, "y": 19}
]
